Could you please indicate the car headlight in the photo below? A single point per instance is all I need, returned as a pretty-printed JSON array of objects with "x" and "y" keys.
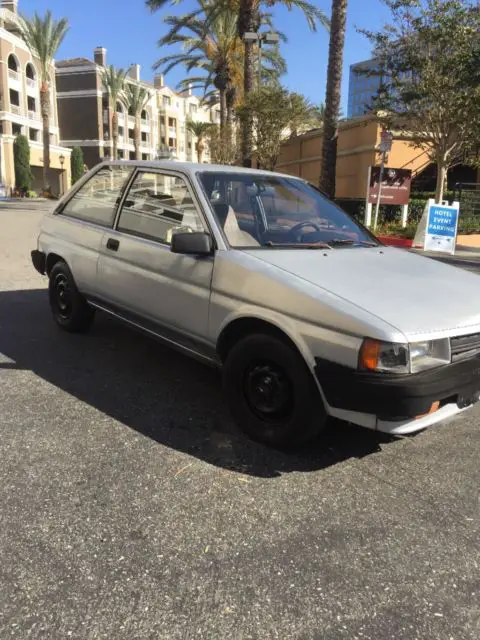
[{"x": 392, "y": 357}]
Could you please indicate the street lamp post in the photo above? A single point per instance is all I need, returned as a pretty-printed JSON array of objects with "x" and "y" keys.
[
  {"x": 268, "y": 37},
  {"x": 62, "y": 162}
]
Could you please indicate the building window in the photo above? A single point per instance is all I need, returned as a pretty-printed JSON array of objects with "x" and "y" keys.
[
  {"x": 144, "y": 137},
  {"x": 34, "y": 135},
  {"x": 16, "y": 129},
  {"x": 193, "y": 108},
  {"x": 13, "y": 64},
  {"x": 162, "y": 139},
  {"x": 166, "y": 101},
  {"x": 120, "y": 154},
  {"x": 14, "y": 98},
  {"x": 144, "y": 156},
  {"x": 31, "y": 105},
  {"x": 171, "y": 122},
  {"x": 171, "y": 142},
  {"x": 30, "y": 71},
  {"x": 144, "y": 116}
]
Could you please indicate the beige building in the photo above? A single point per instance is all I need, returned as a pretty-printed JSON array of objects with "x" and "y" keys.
[
  {"x": 86, "y": 119},
  {"x": 20, "y": 108},
  {"x": 357, "y": 150}
]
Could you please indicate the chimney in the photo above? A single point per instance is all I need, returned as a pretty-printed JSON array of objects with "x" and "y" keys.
[
  {"x": 11, "y": 5},
  {"x": 134, "y": 72},
  {"x": 100, "y": 56},
  {"x": 158, "y": 81}
]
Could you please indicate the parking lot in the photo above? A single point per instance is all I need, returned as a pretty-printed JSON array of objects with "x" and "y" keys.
[{"x": 130, "y": 507}]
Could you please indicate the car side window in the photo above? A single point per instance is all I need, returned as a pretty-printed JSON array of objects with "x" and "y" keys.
[
  {"x": 97, "y": 200},
  {"x": 157, "y": 205}
]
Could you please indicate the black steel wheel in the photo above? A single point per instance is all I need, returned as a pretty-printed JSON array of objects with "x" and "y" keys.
[
  {"x": 271, "y": 392},
  {"x": 69, "y": 308}
]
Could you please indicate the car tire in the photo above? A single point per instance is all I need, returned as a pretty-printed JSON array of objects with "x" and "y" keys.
[
  {"x": 70, "y": 309},
  {"x": 271, "y": 392}
]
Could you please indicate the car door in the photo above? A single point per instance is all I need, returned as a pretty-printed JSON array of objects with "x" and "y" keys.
[
  {"x": 76, "y": 230},
  {"x": 137, "y": 272}
]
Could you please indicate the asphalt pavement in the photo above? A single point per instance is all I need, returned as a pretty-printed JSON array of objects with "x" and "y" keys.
[{"x": 131, "y": 508}]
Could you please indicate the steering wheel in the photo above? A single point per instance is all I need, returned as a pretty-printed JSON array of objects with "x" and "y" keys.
[{"x": 301, "y": 225}]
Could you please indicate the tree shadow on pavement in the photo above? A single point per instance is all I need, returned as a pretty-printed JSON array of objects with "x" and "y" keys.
[{"x": 153, "y": 389}]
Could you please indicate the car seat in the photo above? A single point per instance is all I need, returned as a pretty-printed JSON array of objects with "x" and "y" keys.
[{"x": 227, "y": 219}]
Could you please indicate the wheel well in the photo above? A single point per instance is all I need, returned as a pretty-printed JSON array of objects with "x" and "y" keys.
[
  {"x": 243, "y": 327},
  {"x": 52, "y": 260}
]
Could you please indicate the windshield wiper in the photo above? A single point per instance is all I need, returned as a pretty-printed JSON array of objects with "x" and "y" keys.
[
  {"x": 363, "y": 243},
  {"x": 295, "y": 245}
]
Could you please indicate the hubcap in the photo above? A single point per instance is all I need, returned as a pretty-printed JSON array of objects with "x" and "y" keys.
[
  {"x": 63, "y": 298},
  {"x": 268, "y": 391}
]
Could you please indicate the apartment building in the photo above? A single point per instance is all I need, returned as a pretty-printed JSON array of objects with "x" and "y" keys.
[
  {"x": 20, "y": 108},
  {"x": 85, "y": 115}
]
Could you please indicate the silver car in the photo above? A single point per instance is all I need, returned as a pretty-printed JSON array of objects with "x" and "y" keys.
[{"x": 306, "y": 313}]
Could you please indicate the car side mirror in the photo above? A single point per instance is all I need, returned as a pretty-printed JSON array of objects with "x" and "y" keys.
[{"x": 197, "y": 243}]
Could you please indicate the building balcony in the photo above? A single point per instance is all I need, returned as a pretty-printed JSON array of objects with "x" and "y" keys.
[
  {"x": 31, "y": 83},
  {"x": 144, "y": 122},
  {"x": 172, "y": 132},
  {"x": 131, "y": 121},
  {"x": 16, "y": 109},
  {"x": 13, "y": 75},
  {"x": 33, "y": 115}
]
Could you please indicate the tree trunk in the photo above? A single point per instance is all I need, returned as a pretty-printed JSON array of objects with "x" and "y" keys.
[
  {"x": 223, "y": 109},
  {"x": 332, "y": 98},
  {"x": 230, "y": 101},
  {"x": 248, "y": 22},
  {"x": 114, "y": 133},
  {"x": 200, "y": 147},
  {"x": 441, "y": 178},
  {"x": 136, "y": 138},
  {"x": 45, "y": 109}
]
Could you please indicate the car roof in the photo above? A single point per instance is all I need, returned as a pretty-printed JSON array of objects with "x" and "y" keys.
[{"x": 195, "y": 167}]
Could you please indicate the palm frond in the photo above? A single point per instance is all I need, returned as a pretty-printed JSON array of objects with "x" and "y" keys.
[{"x": 43, "y": 36}]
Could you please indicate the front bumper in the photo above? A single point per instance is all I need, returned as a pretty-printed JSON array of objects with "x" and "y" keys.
[
  {"x": 399, "y": 398},
  {"x": 39, "y": 261}
]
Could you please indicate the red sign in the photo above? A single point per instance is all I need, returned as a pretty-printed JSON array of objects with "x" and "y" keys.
[{"x": 396, "y": 185}]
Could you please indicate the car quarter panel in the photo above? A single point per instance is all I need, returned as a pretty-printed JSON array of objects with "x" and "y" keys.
[
  {"x": 77, "y": 242},
  {"x": 319, "y": 323}
]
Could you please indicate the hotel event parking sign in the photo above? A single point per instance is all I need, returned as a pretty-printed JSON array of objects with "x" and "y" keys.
[{"x": 441, "y": 228}]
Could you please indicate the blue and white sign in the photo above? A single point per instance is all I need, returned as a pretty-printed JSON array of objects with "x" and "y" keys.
[{"x": 441, "y": 227}]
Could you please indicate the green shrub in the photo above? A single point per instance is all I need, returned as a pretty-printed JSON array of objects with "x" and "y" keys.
[
  {"x": 21, "y": 160},
  {"x": 76, "y": 162}
]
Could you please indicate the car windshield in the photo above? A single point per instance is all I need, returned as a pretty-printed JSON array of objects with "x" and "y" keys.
[{"x": 268, "y": 211}]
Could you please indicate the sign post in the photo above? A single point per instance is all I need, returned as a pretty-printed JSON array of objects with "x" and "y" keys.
[
  {"x": 393, "y": 187},
  {"x": 385, "y": 147},
  {"x": 441, "y": 227}
]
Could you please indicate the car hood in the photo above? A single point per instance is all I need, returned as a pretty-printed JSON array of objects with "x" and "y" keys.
[{"x": 417, "y": 295}]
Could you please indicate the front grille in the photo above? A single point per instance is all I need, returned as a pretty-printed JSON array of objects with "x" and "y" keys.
[{"x": 464, "y": 347}]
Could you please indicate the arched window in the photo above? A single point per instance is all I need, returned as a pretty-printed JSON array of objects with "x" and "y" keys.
[
  {"x": 13, "y": 64},
  {"x": 119, "y": 107},
  {"x": 30, "y": 72},
  {"x": 144, "y": 115}
]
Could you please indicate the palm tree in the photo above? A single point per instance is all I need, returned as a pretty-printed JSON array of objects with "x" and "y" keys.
[
  {"x": 210, "y": 43},
  {"x": 114, "y": 82},
  {"x": 249, "y": 21},
  {"x": 136, "y": 98},
  {"x": 200, "y": 130},
  {"x": 332, "y": 99},
  {"x": 43, "y": 37},
  {"x": 218, "y": 26}
]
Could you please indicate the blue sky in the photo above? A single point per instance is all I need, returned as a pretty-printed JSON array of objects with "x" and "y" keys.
[{"x": 129, "y": 32}]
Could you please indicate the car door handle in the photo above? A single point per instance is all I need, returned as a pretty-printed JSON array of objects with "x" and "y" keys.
[{"x": 113, "y": 244}]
